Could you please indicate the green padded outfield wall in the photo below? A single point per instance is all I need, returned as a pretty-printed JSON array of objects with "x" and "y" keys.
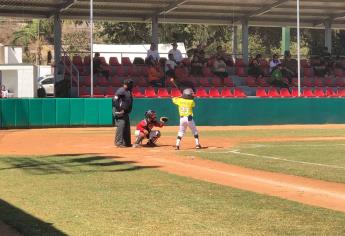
[{"x": 50, "y": 112}]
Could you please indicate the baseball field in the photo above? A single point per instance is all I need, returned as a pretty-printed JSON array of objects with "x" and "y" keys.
[{"x": 255, "y": 180}]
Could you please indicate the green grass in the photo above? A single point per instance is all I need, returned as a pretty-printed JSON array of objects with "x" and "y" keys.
[{"x": 90, "y": 195}]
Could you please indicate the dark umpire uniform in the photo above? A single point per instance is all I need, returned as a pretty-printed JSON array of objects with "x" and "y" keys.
[{"x": 122, "y": 106}]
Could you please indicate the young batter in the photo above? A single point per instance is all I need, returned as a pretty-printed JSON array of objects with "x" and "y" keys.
[{"x": 185, "y": 106}]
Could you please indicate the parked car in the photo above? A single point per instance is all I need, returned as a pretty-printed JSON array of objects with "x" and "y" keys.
[{"x": 46, "y": 86}]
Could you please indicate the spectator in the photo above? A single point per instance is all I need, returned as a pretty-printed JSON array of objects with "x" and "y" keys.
[
  {"x": 170, "y": 65},
  {"x": 226, "y": 57},
  {"x": 153, "y": 52},
  {"x": 196, "y": 65},
  {"x": 155, "y": 74},
  {"x": 176, "y": 53},
  {"x": 49, "y": 57},
  {"x": 4, "y": 92},
  {"x": 255, "y": 69},
  {"x": 289, "y": 66},
  {"x": 219, "y": 67},
  {"x": 98, "y": 68},
  {"x": 199, "y": 51},
  {"x": 274, "y": 63}
]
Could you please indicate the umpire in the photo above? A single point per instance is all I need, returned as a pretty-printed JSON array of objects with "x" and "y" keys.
[{"x": 122, "y": 106}]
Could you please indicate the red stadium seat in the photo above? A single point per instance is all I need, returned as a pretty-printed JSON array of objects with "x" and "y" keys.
[
  {"x": 339, "y": 82},
  {"x": 119, "y": 70},
  {"x": 103, "y": 61},
  {"x": 137, "y": 93},
  {"x": 262, "y": 82},
  {"x": 113, "y": 61},
  {"x": 175, "y": 92},
  {"x": 304, "y": 63},
  {"x": 98, "y": 93},
  {"x": 308, "y": 72},
  {"x": 319, "y": 93},
  {"x": 163, "y": 93},
  {"x": 214, "y": 93},
  {"x": 216, "y": 82},
  {"x": 150, "y": 92},
  {"x": 318, "y": 82},
  {"x": 204, "y": 82},
  {"x": 181, "y": 73},
  {"x": 141, "y": 81},
  {"x": 207, "y": 72},
  {"x": 102, "y": 81},
  {"x": 239, "y": 62},
  {"x": 273, "y": 93},
  {"x": 285, "y": 93},
  {"x": 261, "y": 92},
  {"x": 250, "y": 81},
  {"x": 294, "y": 92},
  {"x": 228, "y": 82},
  {"x": 341, "y": 92},
  {"x": 109, "y": 92},
  {"x": 329, "y": 82},
  {"x": 84, "y": 92},
  {"x": 331, "y": 93},
  {"x": 307, "y": 82},
  {"x": 87, "y": 60},
  {"x": 241, "y": 71},
  {"x": 115, "y": 82},
  {"x": 125, "y": 61},
  {"x": 238, "y": 93},
  {"x": 85, "y": 81},
  {"x": 201, "y": 93},
  {"x": 308, "y": 93},
  {"x": 339, "y": 73},
  {"x": 77, "y": 60},
  {"x": 226, "y": 93}
]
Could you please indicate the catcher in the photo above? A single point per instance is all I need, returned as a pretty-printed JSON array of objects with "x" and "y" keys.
[{"x": 144, "y": 129}]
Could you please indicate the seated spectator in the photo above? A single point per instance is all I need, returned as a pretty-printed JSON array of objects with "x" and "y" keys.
[
  {"x": 4, "y": 92},
  {"x": 321, "y": 69},
  {"x": 276, "y": 79},
  {"x": 196, "y": 65},
  {"x": 98, "y": 68},
  {"x": 226, "y": 57},
  {"x": 199, "y": 51},
  {"x": 170, "y": 65},
  {"x": 274, "y": 63},
  {"x": 153, "y": 52},
  {"x": 176, "y": 53},
  {"x": 219, "y": 67},
  {"x": 255, "y": 69},
  {"x": 289, "y": 66},
  {"x": 155, "y": 75}
]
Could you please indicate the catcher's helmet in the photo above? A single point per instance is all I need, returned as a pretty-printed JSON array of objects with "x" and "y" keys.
[
  {"x": 150, "y": 115},
  {"x": 188, "y": 93}
]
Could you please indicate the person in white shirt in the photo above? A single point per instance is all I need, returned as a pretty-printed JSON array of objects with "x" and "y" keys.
[
  {"x": 170, "y": 65},
  {"x": 177, "y": 53},
  {"x": 274, "y": 63},
  {"x": 153, "y": 52},
  {"x": 4, "y": 92}
]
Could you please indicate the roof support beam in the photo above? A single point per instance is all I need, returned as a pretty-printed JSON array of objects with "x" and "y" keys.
[
  {"x": 330, "y": 18},
  {"x": 175, "y": 4},
  {"x": 64, "y": 6}
]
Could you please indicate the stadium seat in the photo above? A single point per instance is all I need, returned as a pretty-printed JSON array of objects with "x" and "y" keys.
[
  {"x": 250, "y": 81},
  {"x": 102, "y": 81},
  {"x": 216, "y": 82},
  {"x": 214, "y": 93},
  {"x": 207, "y": 72},
  {"x": 226, "y": 93},
  {"x": 285, "y": 93},
  {"x": 308, "y": 93},
  {"x": 318, "y": 82},
  {"x": 181, "y": 73},
  {"x": 319, "y": 92},
  {"x": 186, "y": 61},
  {"x": 175, "y": 92},
  {"x": 339, "y": 73},
  {"x": 137, "y": 93},
  {"x": 87, "y": 61},
  {"x": 119, "y": 70},
  {"x": 98, "y": 93},
  {"x": 307, "y": 82},
  {"x": 201, "y": 93},
  {"x": 238, "y": 93},
  {"x": 261, "y": 92},
  {"x": 103, "y": 61},
  {"x": 204, "y": 82},
  {"x": 77, "y": 60},
  {"x": 163, "y": 93},
  {"x": 339, "y": 82},
  {"x": 85, "y": 81},
  {"x": 241, "y": 71},
  {"x": 66, "y": 60},
  {"x": 115, "y": 81},
  {"x": 150, "y": 92},
  {"x": 329, "y": 82},
  {"x": 113, "y": 61},
  {"x": 341, "y": 92},
  {"x": 239, "y": 62},
  {"x": 294, "y": 92},
  {"x": 273, "y": 93},
  {"x": 331, "y": 93},
  {"x": 308, "y": 72},
  {"x": 228, "y": 82},
  {"x": 304, "y": 63},
  {"x": 262, "y": 82},
  {"x": 84, "y": 92},
  {"x": 109, "y": 92},
  {"x": 125, "y": 61}
]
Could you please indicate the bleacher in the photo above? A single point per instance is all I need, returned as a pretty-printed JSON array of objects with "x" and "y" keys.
[{"x": 237, "y": 85}]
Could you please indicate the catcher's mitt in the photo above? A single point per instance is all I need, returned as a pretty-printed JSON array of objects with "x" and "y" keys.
[{"x": 164, "y": 119}]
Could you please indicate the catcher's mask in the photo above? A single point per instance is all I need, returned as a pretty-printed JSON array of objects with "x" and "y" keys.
[
  {"x": 188, "y": 93},
  {"x": 150, "y": 115}
]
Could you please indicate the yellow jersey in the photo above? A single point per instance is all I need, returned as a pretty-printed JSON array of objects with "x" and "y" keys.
[{"x": 185, "y": 106}]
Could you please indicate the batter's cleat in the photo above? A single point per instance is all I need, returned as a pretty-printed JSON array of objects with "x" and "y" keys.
[
  {"x": 136, "y": 145},
  {"x": 151, "y": 144},
  {"x": 198, "y": 146},
  {"x": 177, "y": 147}
]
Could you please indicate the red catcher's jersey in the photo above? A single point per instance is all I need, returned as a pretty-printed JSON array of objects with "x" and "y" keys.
[{"x": 145, "y": 125}]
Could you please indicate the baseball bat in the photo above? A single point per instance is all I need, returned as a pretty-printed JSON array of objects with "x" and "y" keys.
[{"x": 173, "y": 82}]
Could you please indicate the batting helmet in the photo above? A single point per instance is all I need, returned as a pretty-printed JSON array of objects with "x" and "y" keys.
[
  {"x": 188, "y": 93},
  {"x": 150, "y": 115}
]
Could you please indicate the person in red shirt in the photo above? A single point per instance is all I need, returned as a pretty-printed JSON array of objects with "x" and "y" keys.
[{"x": 144, "y": 129}]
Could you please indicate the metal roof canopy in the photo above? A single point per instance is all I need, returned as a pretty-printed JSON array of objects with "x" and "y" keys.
[{"x": 220, "y": 12}]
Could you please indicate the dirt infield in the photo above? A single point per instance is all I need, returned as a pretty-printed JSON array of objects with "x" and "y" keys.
[{"x": 100, "y": 141}]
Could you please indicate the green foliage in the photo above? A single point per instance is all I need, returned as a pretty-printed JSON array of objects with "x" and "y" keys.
[{"x": 76, "y": 41}]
